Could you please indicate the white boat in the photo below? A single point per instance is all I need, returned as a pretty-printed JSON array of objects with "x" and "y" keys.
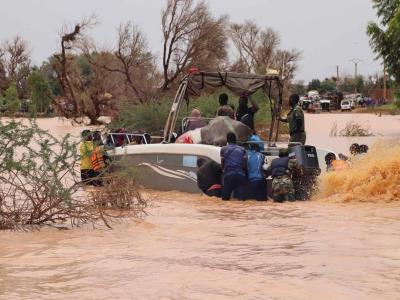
[{"x": 170, "y": 166}]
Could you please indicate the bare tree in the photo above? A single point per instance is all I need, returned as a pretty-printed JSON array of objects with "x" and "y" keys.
[
  {"x": 256, "y": 47},
  {"x": 286, "y": 62},
  {"x": 14, "y": 64},
  {"x": 3, "y": 73},
  {"x": 82, "y": 93},
  {"x": 132, "y": 61},
  {"x": 191, "y": 35}
]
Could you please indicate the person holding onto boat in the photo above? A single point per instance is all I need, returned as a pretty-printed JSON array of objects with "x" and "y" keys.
[
  {"x": 329, "y": 159},
  {"x": 209, "y": 176},
  {"x": 225, "y": 109},
  {"x": 98, "y": 158},
  {"x": 295, "y": 120},
  {"x": 354, "y": 149},
  {"x": 255, "y": 173},
  {"x": 281, "y": 171},
  {"x": 85, "y": 150},
  {"x": 234, "y": 164},
  {"x": 244, "y": 113}
]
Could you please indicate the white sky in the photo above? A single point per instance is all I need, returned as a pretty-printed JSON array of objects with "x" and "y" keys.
[{"x": 328, "y": 33}]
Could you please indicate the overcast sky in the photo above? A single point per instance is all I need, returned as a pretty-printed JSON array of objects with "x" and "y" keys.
[{"x": 328, "y": 33}]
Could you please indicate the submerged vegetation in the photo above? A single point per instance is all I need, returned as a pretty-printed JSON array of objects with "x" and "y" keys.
[
  {"x": 352, "y": 129},
  {"x": 39, "y": 183}
]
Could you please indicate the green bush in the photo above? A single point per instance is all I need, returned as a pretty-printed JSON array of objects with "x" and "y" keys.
[
  {"x": 11, "y": 100},
  {"x": 151, "y": 117},
  {"x": 397, "y": 100}
]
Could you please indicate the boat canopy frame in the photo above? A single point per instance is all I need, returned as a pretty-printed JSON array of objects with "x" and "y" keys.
[{"x": 197, "y": 81}]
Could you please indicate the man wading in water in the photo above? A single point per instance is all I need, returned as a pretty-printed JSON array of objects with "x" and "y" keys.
[
  {"x": 295, "y": 119},
  {"x": 234, "y": 164},
  {"x": 281, "y": 171}
]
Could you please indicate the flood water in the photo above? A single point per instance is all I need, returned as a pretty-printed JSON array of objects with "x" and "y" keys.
[{"x": 194, "y": 247}]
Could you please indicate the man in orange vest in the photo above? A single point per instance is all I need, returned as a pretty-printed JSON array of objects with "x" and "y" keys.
[{"x": 334, "y": 164}]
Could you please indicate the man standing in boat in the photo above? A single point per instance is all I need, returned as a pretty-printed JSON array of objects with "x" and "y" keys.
[
  {"x": 295, "y": 120},
  {"x": 224, "y": 109}
]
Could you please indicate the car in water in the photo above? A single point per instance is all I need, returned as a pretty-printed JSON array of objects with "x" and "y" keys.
[{"x": 346, "y": 105}]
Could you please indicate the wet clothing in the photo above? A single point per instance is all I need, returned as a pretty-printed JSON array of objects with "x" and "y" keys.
[
  {"x": 235, "y": 183},
  {"x": 226, "y": 111},
  {"x": 209, "y": 177},
  {"x": 214, "y": 191},
  {"x": 295, "y": 119},
  {"x": 255, "y": 163},
  {"x": 87, "y": 174},
  {"x": 282, "y": 184},
  {"x": 259, "y": 190},
  {"x": 282, "y": 188},
  {"x": 255, "y": 174},
  {"x": 234, "y": 160}
]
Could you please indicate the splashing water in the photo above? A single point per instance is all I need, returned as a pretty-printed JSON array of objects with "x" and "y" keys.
[{"x": 373, "y": 177}]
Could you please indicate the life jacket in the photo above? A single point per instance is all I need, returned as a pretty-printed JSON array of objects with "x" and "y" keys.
[
  {"x": 255, "y": 162},
  {"x": 338, "y": 165},
  {"x": 97, "y": 159},
  {"x": 280, "y": 167}
]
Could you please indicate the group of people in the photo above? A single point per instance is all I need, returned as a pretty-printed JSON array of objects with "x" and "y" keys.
[
  {"x": 246, "y": 113},
  {"x": 243, "y": 172},
  {"x": 94, "y": 158},
  {"x": 335, "y": 164}
]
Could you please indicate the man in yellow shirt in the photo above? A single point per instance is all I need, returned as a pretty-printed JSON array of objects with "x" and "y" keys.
[{"x": 86, "y": 149}]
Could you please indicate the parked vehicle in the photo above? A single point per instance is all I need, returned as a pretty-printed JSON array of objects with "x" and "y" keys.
[
  {"x": 345, "y": 105},
  {"x": 325, "y": 104},
  {"x": 314, "y": 107}
]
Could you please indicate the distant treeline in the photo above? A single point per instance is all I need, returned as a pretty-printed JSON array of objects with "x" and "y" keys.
[{"x": 81, "y": 79}]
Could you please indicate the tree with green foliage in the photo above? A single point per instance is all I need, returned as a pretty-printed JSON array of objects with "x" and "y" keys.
[
  {"x": 47, "y": 72},
  {"x": 315, "y": 84},
  {"x": 40, "y": 92},
  {"x": 11, "y": 100},
  {"x": 327, "y": 86},
  {"x": 385, "y": 37}
]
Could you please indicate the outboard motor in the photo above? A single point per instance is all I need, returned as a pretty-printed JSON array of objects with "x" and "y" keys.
[{"x": 304, "y": 179}]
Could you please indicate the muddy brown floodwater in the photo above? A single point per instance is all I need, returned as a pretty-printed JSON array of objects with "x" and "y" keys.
[{"x": 193, "y": 247}]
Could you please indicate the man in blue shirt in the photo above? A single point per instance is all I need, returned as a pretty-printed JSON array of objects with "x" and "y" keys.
[
  {"x": 234, "y": 164},
  {"x": 255, "y": 172}
]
